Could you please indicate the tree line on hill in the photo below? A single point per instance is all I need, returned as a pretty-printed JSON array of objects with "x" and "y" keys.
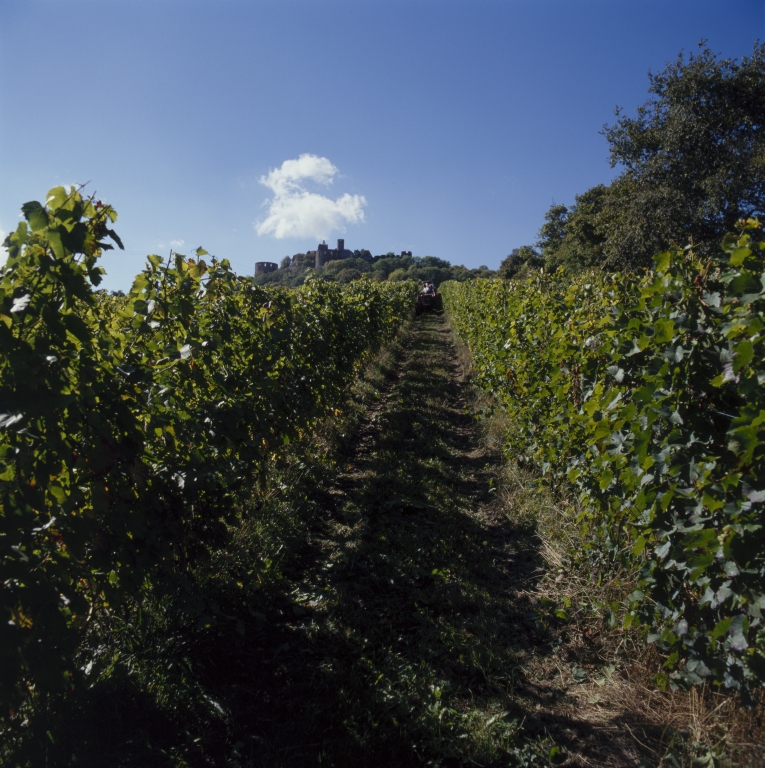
[
  {"x": 389, "y": 266},
  {"x": 693, "y": 164}
]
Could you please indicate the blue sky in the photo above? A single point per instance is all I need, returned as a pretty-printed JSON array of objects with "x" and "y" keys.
[{"x": 442, "y": 127}]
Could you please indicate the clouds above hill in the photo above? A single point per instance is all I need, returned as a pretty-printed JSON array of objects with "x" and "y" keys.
[{"x": 295, "y": 211}]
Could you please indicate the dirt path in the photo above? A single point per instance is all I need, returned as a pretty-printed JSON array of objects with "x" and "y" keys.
[{"x": 410, "y": 625}]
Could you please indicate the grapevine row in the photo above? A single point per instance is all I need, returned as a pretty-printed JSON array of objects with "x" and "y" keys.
[
  {"x": 132, "y": 426},
  {"x": 645, "y": 393}
]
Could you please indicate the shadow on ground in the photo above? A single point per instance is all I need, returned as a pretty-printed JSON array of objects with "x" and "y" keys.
[
  {"x": 406, "y": 625},
  {"x": 409, "y": 618},
  {"x": 398, "y": 633}
]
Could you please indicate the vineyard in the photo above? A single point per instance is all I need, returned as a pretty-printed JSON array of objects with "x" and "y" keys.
[
  {"x": 132, "y": 427},
  {"x": 259, "y": 526},
  {"x": 645, "y": 393}
]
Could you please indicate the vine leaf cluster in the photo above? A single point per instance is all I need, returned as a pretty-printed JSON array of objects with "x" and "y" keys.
[
  {"x": 645, "y": 393},
  {"x": 131, "y": 426}
]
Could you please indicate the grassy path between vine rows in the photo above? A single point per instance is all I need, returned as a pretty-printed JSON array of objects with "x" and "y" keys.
[{"x": 411, "y": 618}]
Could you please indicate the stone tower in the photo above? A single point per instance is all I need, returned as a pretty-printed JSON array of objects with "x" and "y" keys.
[{"x": 321, "y": 254}]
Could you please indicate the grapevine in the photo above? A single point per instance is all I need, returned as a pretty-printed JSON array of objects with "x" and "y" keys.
[
  {"x": 645, "y": 395},
  {"x": 130, "y": 426}
]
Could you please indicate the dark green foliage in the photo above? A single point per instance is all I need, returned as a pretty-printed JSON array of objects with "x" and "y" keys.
[
  {"x": 132, "y": 425},
  {"x": 573, "y": 238},
  {"x": 553, "y": 231},
  {"x": 332, "y": 269},
  {"x": 693, "y": 164},
  {"x": 519, "y": 262},
  {"x": 647, "y": 395},
  {"x": 348, "y": 275},
  {"x": 694, "y": 156},
  {"x": 390, "y": 263}
]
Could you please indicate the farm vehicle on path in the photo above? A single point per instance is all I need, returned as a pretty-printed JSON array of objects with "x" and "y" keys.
[{"x": 428, "y": 298}]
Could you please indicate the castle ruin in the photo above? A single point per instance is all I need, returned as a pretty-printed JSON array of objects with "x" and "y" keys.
[
  {"x": 265, "y": 267},
  {"x": 324, "y": 253}
]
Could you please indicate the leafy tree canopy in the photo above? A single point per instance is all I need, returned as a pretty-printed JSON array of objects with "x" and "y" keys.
[
  {"x": 693, "y": 160},
  {"x": 573, "y": 237},
  {"x": 694, "y": 156},
  {"x": 520, "y": 262}
]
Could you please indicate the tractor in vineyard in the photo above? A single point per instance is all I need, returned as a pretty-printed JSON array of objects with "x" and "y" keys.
[{"x": 428, "y": 298}]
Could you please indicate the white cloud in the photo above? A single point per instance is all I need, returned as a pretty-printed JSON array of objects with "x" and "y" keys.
[
  {"x": 294, "y": 211},
  {"x": 176, "y": 243}
]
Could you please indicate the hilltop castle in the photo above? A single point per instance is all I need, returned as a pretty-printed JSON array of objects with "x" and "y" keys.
[
  {"x": 324, "y": 253},
  {"x": 320, "y": 257}
]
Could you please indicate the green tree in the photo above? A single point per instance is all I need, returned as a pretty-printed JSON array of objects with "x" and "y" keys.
[
  {"x": 437, "y": 274},
  {"x": 432, "y": 261},
  {"x": 575, "y": 237},
  {"x": 349, "y": 274},
  {"x": 520, "y": 260},
  {"x": 693, "y": 158},
  {"x": 332, "y": 269},
  {"x": 553, "y": 231},
  {"x": 391, "y": 263}
]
